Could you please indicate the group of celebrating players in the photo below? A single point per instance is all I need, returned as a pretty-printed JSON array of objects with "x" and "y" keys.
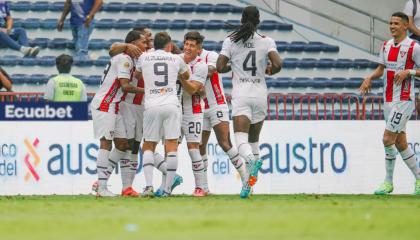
[{"x": 151, "y": 91}]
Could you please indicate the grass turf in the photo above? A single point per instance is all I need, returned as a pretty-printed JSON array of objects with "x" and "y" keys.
[{"x": 214, "y": 217}]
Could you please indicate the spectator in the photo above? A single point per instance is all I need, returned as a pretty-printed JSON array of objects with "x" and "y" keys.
[
  {"x": 81, "y": 23},
  {"x": 14, "y": 38},
  {"x": 5, "y": 81},
  {"x": 64, "y": 87},
  {"x": 412, "y": 8}
]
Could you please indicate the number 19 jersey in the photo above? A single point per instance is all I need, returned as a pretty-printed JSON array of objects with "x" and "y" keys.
[
  {"x": 249, "y": 61},
  {"x": 160, "y": 72}
]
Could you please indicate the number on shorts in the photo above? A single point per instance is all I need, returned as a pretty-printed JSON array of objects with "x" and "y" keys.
[
  {"x": 161, "y": 72},
  {"x": 253, "y": 67},
  {"x": 106, "y": 70},
  {"x": 219, "y": 114},
  {"x": 194, "y": 127},
  {"x": 396, "y": 117}
]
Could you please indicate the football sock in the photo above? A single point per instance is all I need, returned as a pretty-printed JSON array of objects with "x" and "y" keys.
[
  {"x": 148, "y": 165},
  {"x": 160, "y": 164},
  {"x": 134, "y": 164},
  {"x": 171, "y": 164},
  {"x": 237, "y": 162},
  {"x": 206, "y": 181},
  {"x": 390, "y": 156},
  {"x": 125, "y": 170},
  {"x": 102, "y": 166},
  {"x": 255, "y": 149},
  {"x": 410, "y": 160},
  {"x": 244, "y": 148},
  {"x": 197, "y": 167}
]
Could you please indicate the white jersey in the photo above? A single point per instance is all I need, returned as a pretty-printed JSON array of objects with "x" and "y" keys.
[
  {"x": 408, "y": 9},
  {"x": 191, "y": 104},
  {"x": 110, "y": 93},
  {"x": 249, "y": 62},
  {"x": 160, "y": 72},
  {"x": 215, "y": 94},
  {"x": 135, "y": 98},
  {"x": 397, "y": 58}
]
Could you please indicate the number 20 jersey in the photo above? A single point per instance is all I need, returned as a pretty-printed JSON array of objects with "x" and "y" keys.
[{"x": 249, "y": 61}]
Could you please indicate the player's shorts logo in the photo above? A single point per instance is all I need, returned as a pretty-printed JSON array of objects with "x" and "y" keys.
[{"x": 35, "y": 157}]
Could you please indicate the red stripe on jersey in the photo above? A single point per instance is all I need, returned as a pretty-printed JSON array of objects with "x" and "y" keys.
[
  {"x": 206, "y": 103},
  {"x": 207, "y": 58},
  {"x": 406, "y": 84},
  {"x": 383, "y": 47},
  {"x": 217, "y": 89},
  {"x": 110, "y": 95},
  {"x": 393, "y": 54},
  {"x": 389, "y": 85},
  {"x": 138, "y": 98},
  {"x": 196, "y": 103}
]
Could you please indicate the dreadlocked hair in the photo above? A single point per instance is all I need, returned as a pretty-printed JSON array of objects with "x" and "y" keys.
[{"x": 250, "y": 20}]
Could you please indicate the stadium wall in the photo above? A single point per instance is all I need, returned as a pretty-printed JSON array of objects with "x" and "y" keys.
[{"x": 343, "y": 157}]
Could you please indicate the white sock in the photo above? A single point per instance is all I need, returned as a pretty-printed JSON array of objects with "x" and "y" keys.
[
  {"x": 244, "y": 148},
  {"x": 172, "y": 165},
  {"x": 390, "y": 156},
  {"x": 134, "y": 164},
  {"x": 148, "y": 165},
  {"x": 206, "y": 181},
  {"x": 114, "y": 157},
  {"x": 197, "y": 167},
  {"x": 102, "y": 166},
  {"x": 125, "y": 170},
  {"x": 255, "y": 149},
  {"x": 411, "y": 161},
  {"x": 237, "y": 162},
  {"x": 160, "y": 164}
]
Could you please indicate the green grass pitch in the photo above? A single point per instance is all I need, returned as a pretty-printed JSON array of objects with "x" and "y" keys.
[{"x": 214, "y": 218}]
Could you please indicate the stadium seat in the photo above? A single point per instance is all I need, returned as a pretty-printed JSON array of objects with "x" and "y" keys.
[
  {"x": 296, "y": 46},
  {"x": 313, "y": 47},
  {"x": 325, "y": 63},
  {"x": 319, "y": 82},
  {"x": 210, "y": 45},
  {"x": 196, "y": 24},
  {"x": 168, "y": 7},
  {"x": 150, "y": 7},
  {"x": 8, "y": 60},
  {"x": 46, "y": 61},
  {"x": 160, "y": 24},
  {"x": 93, "y": 80},
  {"x": 227, "y": 82},
  {"x": 21, "y": 6},
  {"x": 83, "y": 62},
  {"x": 233, "y": 23},
  {"x": 31, "y": 23},
  {"x": 40, "y": 42},
  {"x": 113, "y": 7},
  {"x": 204, "y": 8},
  {"x": 361, "y": 63},
  {"x": 99, "y": 44},
  {"x": 27, "y": 61},
  {"x": 56, "y": 6},
  {"x": 290, "y": 62},
  {"x": 38, "y": 79},
  {"x": 50, "y": 23},
  {"x": 331, "y": 48},
  {"x": 300, "y": 82},
  {"x": 222, "y": 8},
  {"x": 353, "y": 82},
  {"x": 336, "y": 82},
  {"x": 186, "y": 7},
  {"x": 18, "y": 78},
  {"x": 132, "y": 7},
  {"x": 270, "y": 81},
  {"x": 143, "y": 22},
  {"x": 178, "y": 24},
  {"x": 58, "y": 43},
  {"x": 214, "y": 24},
  {"x": 343, "y": 63},
  {"x": 282, "y": 82},
  {"x": 40, "y": 6},
  {"x": 282, "y": 46},
  {"x": 102, "y": 61},
  {"x": 307, "y": 63},
  {"x": 105, "y": 23},
  {"x": 124, "y": 24}
]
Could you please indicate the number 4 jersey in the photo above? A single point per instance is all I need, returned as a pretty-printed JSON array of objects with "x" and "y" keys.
[{"x": 249, "y": 61}]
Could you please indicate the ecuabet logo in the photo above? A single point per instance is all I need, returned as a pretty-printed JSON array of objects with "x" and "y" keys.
[{"x": 36, "y": 160}]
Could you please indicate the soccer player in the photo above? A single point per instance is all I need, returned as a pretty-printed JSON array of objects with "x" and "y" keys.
[
  {"x": 397, "y": 59},
  {"x": 248, "y": 52},
  {"x": 132, "y": 109},
  {"x": 192, "y": 114},
  {"x": 160, "y": 70},
  {"x": 107, "y": 122},
  {"x": 216, "y": 116}
]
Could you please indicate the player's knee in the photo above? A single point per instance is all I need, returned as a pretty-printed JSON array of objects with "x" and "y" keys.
[
  {"x": 105, "y": 144},
  {"x": 388, "y": 140},
  {"x": 193, "y": 145},
  {"x": 401, "y": 145}
]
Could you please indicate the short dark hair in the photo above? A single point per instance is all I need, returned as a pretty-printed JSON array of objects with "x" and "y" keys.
[
  {"x": 401, "y": 15},
  {"x": 132, "y": 36},
  {"x": 64, "y": 63},
  {"x": 140, "y": 28},
  {"x": 194, "y": 35},
  {"x": 161, "y": 39}
]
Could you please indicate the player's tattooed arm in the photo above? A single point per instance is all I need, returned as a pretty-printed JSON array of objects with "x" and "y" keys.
[
  {"x": 222, "y": 64},
  {"x": 132, "y": 50},
  {"x": 127, "y": 87},
  {"x": 275, "y": 63},
  {"x": 367, "y": 83}
]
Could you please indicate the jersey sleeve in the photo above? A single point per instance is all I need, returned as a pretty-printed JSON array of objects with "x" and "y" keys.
[
  {"x": 49, "y": 91},
  {"x": 408, "y": 8},
  {"x": 271, "y": 45},
  {"x": 200, "y": 73},
  {"x": 124, "y": 66},
  {"x": 139, "y": 62},
  {"x": 381, "y": 59},
  {"x": 182, "y": 65},
  {"x": 83, "y": 95},
  {"x": 416, "y": 54},
  {"x": 226, "y": 48},
  {"x": 211, "y": 58}
]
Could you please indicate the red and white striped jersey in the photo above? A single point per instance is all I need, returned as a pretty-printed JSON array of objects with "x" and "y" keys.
[
  {"x": 135, "y": 98},
  {"x": 110, "y": 93},
  {"x": 191, "y": 104},
  {"x": 396, "y": 58},
  {"x": 214, "y": 86}
]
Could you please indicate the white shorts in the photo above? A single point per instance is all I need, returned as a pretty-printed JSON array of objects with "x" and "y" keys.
[
  {"x": 397, "y": 114},
  {"x": 164, "y": 119},
  {"x": 255, "y": 109},
  {"x": 133, "y": 120},
  {"x": 191, "y": 127},
  {"x": 214, "y": 116},
  {"x": 108, "y": 125}
]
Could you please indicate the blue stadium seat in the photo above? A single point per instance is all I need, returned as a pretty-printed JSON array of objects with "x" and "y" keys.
[
  {"x": 83, "y": 62},
  {"x": 102, "y": 61},
  {"x": 143, "y": 22},
  {"x": 99, "y": 44},
  {"x": 307, "y": 63},
  {"x": 178, "y": 24},
  {"x": 105, "y": 23},
  {"x": 150, "y": 7},
  {"x": 268, "y": 25},
  {"x": 160, "y": 24},
  {"x": 233, "y": 23},
  {"x": 93, "y": 80},
  {"x": 227, "y": 82},
  {"x": 27, "y": 61},
  {"x": 296, "y": 46},
  {"x": 56, "y": 6},
  {"x": 46, "y": 61},
  {"x": 290, "y": 62},
  {"x": 31, "y": 23},
  {"x": 81, "y": 77},
  {"x": 204, "y": 8},
  {"x": 18, "y": 79},
  {"x": 373, "y": 64},
  {"x": 222, "y": 8},
  {"x": 300, "y": 82},
  {"x": 312, "y": 47},
  {"x": 353, "y": 82},
  {"x": 282, "y": 82},
  {"x": 40, "y": 6},
  {"x": 40, "y": 42},
  {"x": 21, "y": 6},
  {"x": 282, "y": 46},
  {"x": 50, "y": 23},
  {"x": 186, "y": 7},
  {"x": 361, "y": 63},
  {"x": 132, "y": 7},
  {"x": 168, "y": 7},
  {"x": 210, "y": 45},
  {"x": 58, "y": 43},
  {"x": 325, "y": 63},
  {"x": 196, "y": 24},
  {"x": 319, "y": 82},
  {"x": 377, "y": 83},
  {"x": 219, "y": 46},
  {"x": 336, "y": 82},
  {"x": 113, "y": 7},
  {"x": 215, "y": 24},
  {"x": 39, "y": 79},
  {"x": 343, "y": 63},
  {"x": 8, "y": 60},
  {"x": 331, "y": 48},
  {"x": 124, "y": 23},
  {"x": 270, "y": 82},
  {"x": 17, "y": 22},
  {"x": 284, "y": 27}
]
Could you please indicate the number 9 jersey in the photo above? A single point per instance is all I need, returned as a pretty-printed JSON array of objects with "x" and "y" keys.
[{"x": 249, "y": 61}]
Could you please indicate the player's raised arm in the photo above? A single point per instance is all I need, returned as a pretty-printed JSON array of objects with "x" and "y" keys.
[
  {"x": 222, "y": 65},
  {"x": 132, "y": 50}
]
